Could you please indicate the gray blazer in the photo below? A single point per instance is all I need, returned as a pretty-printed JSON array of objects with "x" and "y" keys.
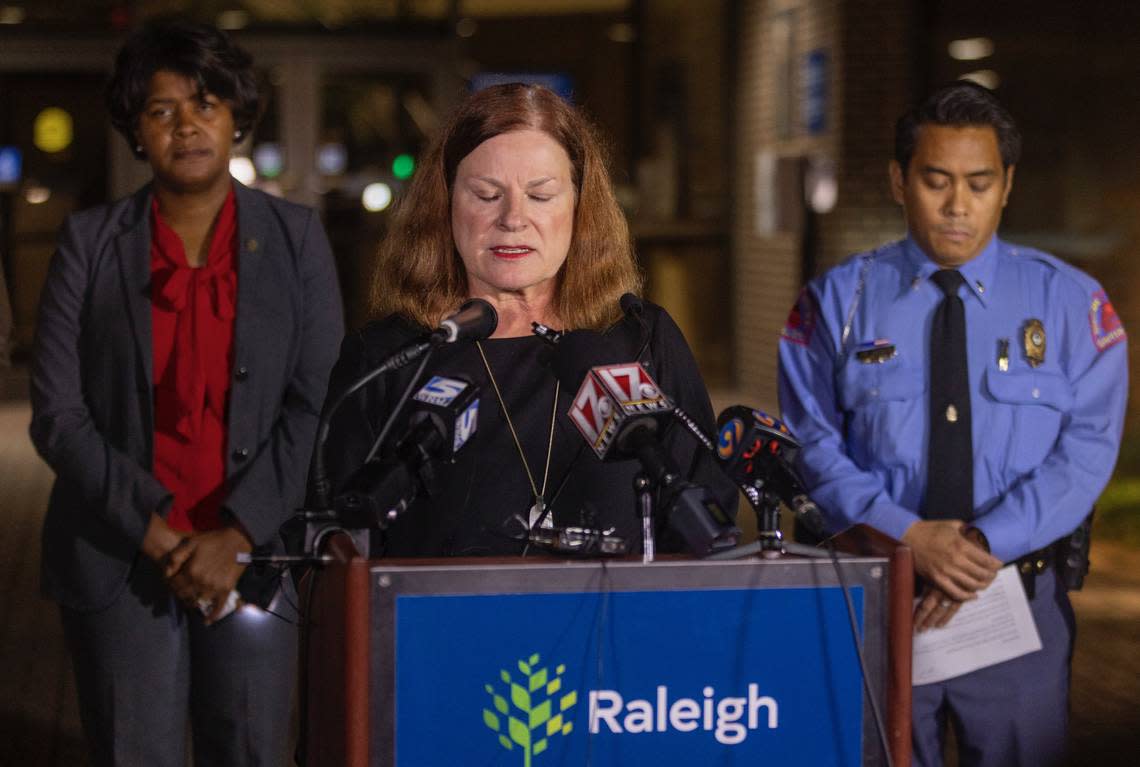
[{"x": 92, "y": 384}]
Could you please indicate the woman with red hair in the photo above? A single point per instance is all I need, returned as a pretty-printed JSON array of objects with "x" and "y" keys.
[{"x": 513, "y": 204}]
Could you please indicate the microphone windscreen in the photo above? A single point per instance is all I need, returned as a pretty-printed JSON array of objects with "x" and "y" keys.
[
  {"x": 631, "y": 304},
  {"x": 475, "y": 320}
]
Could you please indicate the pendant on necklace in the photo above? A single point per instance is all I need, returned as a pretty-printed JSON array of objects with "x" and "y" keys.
[{"x": 536, "y": 512}]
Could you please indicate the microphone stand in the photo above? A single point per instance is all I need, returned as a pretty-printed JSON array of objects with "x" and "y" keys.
[
  {"x": 644, "y": 487},
  {"x": 767, "y": 508},
  {"x": 770, "y": 543},
  {"x": 320, "y": 482}
]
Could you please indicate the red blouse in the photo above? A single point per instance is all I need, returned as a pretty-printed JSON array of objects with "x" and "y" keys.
[{"x": 192, "y": 319}]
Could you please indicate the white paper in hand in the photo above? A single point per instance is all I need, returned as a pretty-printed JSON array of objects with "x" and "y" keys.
[{"x": 994, "y": 628}]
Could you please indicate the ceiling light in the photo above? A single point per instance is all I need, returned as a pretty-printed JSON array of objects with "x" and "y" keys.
[
  {"x": 971, "y": 48},
  {"x": 622, "y": 32},
  {"x": 987, "y": 78},
  {"x": 12, "y": 14},
  {"x": 52, "y": 130},
  {"x": 242, "y": 169},
  {"x": 233, "y": 19},
  {"x": 268, "y": 159},
  {"x": 332, "y": 159},
  {"x": 376, "y": 197},
  {"x": 466, "y": 27},
  {"x": 36, "y": 194}
]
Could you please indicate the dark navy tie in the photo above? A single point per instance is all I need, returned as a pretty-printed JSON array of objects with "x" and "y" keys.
[{"x": 950, "y": 454}]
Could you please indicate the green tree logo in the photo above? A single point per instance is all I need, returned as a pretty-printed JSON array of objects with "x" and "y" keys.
[{"x": 533, "y": 721}]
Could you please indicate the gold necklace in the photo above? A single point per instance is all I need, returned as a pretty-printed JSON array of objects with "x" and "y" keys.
[{"x": 538, "y": 509}]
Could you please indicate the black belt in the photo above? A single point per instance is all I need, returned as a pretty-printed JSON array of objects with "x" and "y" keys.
[{"x": 1036, "y": 562}]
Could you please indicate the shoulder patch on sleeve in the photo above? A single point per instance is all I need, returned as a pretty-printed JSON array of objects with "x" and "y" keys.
[
  {"x": 1103, "y": 322},
  {"x": 802, "y": 319}
]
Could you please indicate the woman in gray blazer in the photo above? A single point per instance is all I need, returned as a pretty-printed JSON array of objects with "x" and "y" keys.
[{"x": 184, "y": 342}]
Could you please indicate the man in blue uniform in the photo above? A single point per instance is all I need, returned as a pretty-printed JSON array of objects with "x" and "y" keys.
[{"x": 966, "y": 396}]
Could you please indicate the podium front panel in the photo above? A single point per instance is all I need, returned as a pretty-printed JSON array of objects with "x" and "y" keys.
[{"x": 619, "y": 663}]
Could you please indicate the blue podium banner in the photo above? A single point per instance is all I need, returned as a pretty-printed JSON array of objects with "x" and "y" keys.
[{"x": 690, "y": 677}]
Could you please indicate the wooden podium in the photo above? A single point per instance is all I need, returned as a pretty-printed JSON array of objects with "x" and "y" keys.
[{"x": 388, "y": 647}]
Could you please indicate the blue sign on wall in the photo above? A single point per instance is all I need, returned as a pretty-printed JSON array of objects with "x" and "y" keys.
[
  {"x": 557, "y": 82},
  {"x": 815, "y": 91},
  {"x": 11, "y": 165},
  {"x": 725, "y": 677}
]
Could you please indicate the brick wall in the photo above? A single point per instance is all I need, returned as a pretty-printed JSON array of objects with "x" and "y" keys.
[{"x": 869, "y": 52}]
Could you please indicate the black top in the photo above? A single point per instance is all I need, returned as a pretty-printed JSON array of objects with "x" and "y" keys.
[{"x": 487, "y": 485}]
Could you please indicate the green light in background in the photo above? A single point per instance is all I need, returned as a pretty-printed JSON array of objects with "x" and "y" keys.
[{"x": 403, "y": 166}]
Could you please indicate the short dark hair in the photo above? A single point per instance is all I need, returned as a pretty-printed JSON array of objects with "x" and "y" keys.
[
  {"x": 200, "y": 52},
  {"x": 959, "y": 104}
]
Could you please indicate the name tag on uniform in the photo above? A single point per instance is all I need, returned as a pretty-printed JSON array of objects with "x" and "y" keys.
[{"x": 877, "y": 352}]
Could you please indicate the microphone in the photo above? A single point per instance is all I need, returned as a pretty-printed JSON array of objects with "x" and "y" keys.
[
  {"x": 613, "y": 402},
  {"x": 444, "y": 416},
  {"x": 758, "y": 453},
  {"x": 475, "y": 320},
  {"x": 631, "y": 305},
  {"x": 620, "y": 410}
]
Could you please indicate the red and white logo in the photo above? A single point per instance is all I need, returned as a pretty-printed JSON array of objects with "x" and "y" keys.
[
  {"x": 630, "y": 386},
  {"x": 609, "y": 395},
  {"x": 592, "y": 412}
]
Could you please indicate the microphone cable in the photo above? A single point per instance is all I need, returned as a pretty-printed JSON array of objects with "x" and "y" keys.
[
  {"x": 319, "y": 474},
  {"x": 403, "y": 400},
  {"x": 858, "y": 642}
]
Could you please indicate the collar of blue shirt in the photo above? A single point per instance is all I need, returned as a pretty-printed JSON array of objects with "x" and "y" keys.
[{"x": 978, "y": 272}]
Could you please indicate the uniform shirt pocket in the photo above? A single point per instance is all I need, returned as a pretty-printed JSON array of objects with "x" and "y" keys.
[
  {"x": 885, "y": 406},
  {"x": 1029, "y": 407}
]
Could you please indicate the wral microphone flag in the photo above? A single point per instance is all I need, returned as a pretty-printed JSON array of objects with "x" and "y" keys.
[{"x": 609, "y": 395}]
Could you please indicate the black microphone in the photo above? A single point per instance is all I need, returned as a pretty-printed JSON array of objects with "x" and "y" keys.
[
  {"x": 631, "y": 305},
  {"x": 444, "y": 415},
  {"x": 758, "y": 453},
  {"x": 475, "y": 320}
]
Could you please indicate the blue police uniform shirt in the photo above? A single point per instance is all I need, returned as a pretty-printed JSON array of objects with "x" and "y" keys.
[{"x": 1045, "y": 437}]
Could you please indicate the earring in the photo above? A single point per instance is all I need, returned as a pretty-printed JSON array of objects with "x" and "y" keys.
[{"x": 237, "y": 135}]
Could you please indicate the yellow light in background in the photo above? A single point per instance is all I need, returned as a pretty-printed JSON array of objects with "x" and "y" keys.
[
  {"x": 376, "y": 197},
  {"x": 242, "y": 169},
  {"x": 622, "y": 32},
  {"x": 36, "y": 194},
  {"x": 987, "y": 78},
  {"x": 52, "y": 130},
  {"x": 233, "y": 19},
  {"x": 12, "y": 14},
  {"x": 466, "y": 27},
  {"x": 971, "y": 48}
]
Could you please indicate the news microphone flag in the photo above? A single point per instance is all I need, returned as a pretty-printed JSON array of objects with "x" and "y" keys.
[{"x": 610, "y": 396}]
